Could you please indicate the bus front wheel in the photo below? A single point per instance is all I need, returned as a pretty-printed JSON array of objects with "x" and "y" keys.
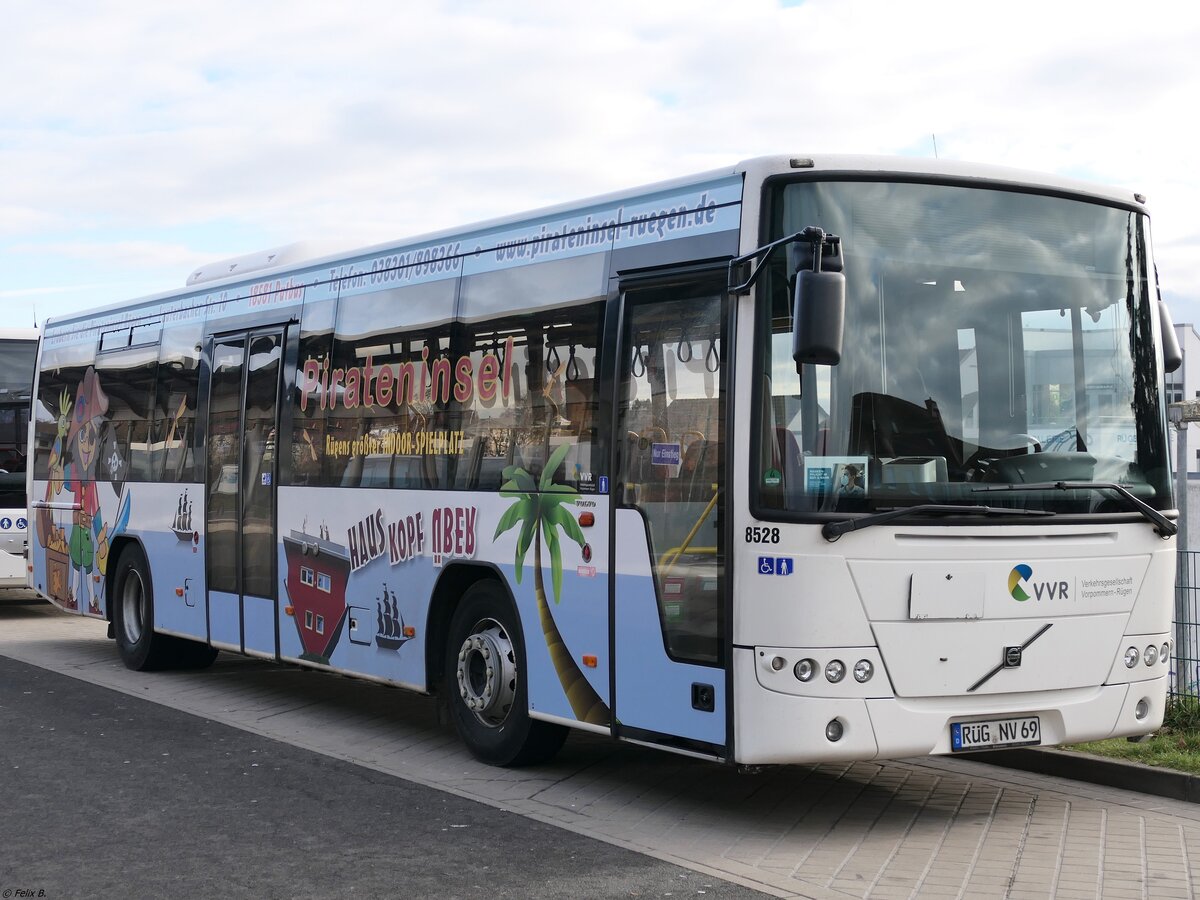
[{"x": 485, "y": 686}]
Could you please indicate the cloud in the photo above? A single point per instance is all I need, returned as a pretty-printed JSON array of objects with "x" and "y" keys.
[{"x": 125, "y": 126}]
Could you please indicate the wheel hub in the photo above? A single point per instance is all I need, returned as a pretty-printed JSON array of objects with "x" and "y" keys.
[
  {"x": 133, "y": 607},
  {"x": 487, "y": 673}
]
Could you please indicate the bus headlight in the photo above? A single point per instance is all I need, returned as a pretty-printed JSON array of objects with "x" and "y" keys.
[
  {"x": 863, "y": 670},
  {"x": 1131, "y": 657},
  {"x": 805, "y": 669},
  {"x": 1151, "y": 655},
  {"x": 1166, "y": 653},
  {"x": 835, "y": 671}
]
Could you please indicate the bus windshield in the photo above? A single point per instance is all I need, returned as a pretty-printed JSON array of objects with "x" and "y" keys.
[{"x": 992, "y": 337}]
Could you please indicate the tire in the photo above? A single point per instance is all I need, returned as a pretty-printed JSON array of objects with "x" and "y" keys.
[
  {"x": 133, "y": 615},
  {"x": 489, "y": 704},
  {"x": 192, "y": 654}
]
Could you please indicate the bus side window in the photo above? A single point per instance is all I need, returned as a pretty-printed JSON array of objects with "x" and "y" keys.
[
  {"x": 390, "y": 433},
  {"x": 174, "y": 427},
  {"x": 304, "y": 464},
  {"x": 63, "y": 369},
  {"x": 128, "y": 379},
  {"x": 541, "y": 396}
]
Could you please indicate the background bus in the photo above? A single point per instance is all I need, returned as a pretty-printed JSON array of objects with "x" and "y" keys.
[
  {"x": 18, "y": 358},
  {"x": 584, "y": 468}
]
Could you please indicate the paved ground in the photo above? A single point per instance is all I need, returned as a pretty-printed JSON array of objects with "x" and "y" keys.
[
  {"x": 934, "y": 827},
  {"x": 107, "y": 795}
]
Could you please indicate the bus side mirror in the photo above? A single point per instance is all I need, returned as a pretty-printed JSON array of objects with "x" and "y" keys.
[
  {"x": 819, "y": 306},
  {"x": 1172, "y": 355}
]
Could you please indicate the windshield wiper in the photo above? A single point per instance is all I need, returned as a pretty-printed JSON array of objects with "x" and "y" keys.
[
  {"x": 831, "y": 531},
  {"x": 1163, "y": 525}
]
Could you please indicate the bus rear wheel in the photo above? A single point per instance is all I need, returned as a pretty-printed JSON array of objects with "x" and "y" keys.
[
  {"x": 133, "y": 614},
  {"x": 485, "y": 685},
  {"x": 142, "y": 649}
]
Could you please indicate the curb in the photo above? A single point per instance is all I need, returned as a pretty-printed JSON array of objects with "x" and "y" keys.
[{"x": 1129, "y": 776}]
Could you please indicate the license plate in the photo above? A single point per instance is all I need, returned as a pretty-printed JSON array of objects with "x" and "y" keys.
[{"x": 995, "y": 733}]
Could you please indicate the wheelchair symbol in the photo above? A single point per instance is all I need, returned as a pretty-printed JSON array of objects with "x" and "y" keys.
[{"x": 766, "y": 565}]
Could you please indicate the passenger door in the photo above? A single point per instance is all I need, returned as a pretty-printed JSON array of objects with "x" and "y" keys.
[
  {"x": 243, "y": 422},
  {"x": 670, "y": 625}
]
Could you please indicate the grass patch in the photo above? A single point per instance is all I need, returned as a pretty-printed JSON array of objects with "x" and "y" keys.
[{"x": 1174, "y": 746}]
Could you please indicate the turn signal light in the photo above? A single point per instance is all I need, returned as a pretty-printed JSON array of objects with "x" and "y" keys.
[
  {"x": 408, "y": 630},
  {"x": 590, "y": 661},
  {"x": 291, "y": 611},
  {"x": 587, "y": 519}
]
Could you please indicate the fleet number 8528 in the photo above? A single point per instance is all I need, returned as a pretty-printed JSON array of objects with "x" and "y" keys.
[{"x": 756, "y": 535}]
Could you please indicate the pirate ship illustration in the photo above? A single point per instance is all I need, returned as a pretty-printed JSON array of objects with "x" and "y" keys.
[
  {"x": 182, "y": 524},
  {"x": 317, "y": 571},
  {"x": 390, "y": 624}
]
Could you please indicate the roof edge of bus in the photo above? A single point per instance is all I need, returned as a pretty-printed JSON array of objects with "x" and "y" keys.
[
  {"x": 852, "y": 165},
  {"x": 856, "y": 165},
  {"x": 292, "y": 251},
  {"x": 19, "y": 334}
]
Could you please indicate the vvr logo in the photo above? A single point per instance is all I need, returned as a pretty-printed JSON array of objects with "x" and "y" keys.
[
  {"x": 1043, "y": 590},
  {"x": 1020, "y": 573}
]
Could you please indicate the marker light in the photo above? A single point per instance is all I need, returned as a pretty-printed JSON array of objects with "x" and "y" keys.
[
  {"x": 863, "y": 670},
  {"x": 1165, "y": 653},
  {"x": 805, "y": 669},
  {"x": 834, "y": 730},
  {"x": 835, "y": 671},
  {"x": 1131, "y": 657},
  {"x": 1151, "y": 655}
]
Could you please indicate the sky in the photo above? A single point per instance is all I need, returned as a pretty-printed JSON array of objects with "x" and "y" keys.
[{"x": 139, "y": 141}]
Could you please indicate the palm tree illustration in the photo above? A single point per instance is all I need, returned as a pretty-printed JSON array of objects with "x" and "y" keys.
[{"x": 539, "y": 511}]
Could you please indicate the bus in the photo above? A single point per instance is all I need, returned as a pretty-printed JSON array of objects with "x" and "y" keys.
[
  {"x": 753, "y": 465},
  {"x": 18, "y": 356}
]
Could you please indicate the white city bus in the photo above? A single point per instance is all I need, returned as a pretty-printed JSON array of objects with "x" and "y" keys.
[
  {"x": 18, "y": 355},
  {"x": 806, "y": 459}
]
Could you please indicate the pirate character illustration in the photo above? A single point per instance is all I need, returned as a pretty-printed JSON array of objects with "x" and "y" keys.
[{"x": 88, "y": 538}]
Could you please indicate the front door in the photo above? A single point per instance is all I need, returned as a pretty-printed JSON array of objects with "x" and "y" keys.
[
  {"x": 669, "y": 547},
  {"x": 243, "y": 421}
]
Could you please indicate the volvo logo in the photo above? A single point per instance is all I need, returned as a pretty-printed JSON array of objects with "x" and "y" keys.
[{"x": 1011, "y": 659}]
